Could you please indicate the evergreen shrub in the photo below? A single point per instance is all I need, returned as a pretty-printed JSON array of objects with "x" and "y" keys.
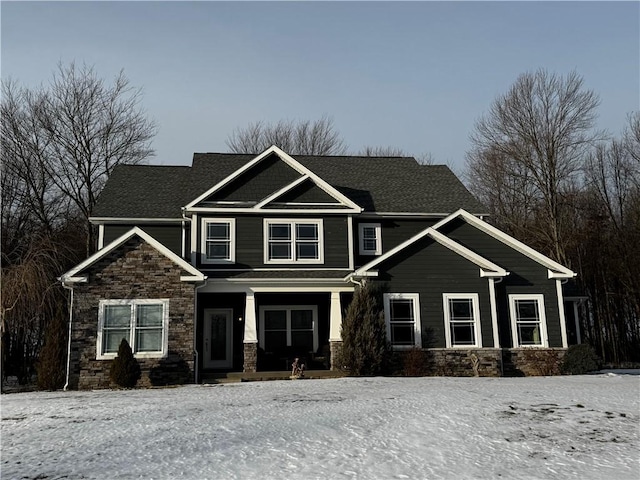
[
  {"x": 125, "y": 370},
  {"x": 365, "y": 350},
  {"x": 580, "y": 359}
]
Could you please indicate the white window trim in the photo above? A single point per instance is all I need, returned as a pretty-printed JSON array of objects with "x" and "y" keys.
[
  {"x": 378, "y": 230},
  {"x": 232, "y": 241},
  {"x": 288, "y": 308},
  {"x": 292, "y": 223},
  {"x": 132, "y": 326},
  {"x": 415, "y": 297},
  {"x": 544, "y": 339},
  {"x": 475, "y": 304}
]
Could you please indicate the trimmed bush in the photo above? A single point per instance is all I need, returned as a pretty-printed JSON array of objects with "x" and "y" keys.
[
  {"x": 580, "y": 359},
  {"x": 365, "y": 350},
  {"x": 125, "y": 370}
]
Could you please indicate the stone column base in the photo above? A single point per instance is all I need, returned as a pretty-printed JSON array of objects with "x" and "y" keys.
[
  {"x": 250, "y": 358},
  {"x": 336, "y": 351}
]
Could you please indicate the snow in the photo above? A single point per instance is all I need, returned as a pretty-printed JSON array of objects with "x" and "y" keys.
[{"x": 579, "y": 427}]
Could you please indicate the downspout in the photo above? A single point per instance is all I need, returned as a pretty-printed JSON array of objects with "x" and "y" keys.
[
  {"x": 355, "y": 282},
  {"x": 496, "y": 281},
  {"x": 66, "y": 385}
]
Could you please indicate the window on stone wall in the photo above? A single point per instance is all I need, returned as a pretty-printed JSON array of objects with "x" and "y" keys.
[{"x": 143, "y": 323}]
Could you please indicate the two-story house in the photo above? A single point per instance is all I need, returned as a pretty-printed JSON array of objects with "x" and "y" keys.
[{"x": 238, "y": 262}]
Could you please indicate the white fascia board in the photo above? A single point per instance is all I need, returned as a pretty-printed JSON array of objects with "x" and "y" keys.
[
  {"x": 297, "y": 166},
  {"x": 282, "y": 211},
  {"x": 103, "y": 220},
  {"x": 280, "y": 192},
  {"x": 231, "y": 177},
  {"x": 196, "y": 275},
  {"x": 559, "y": 271},
  {"x": 406, "y": 214},
  {"x": 487, "y": 268}
]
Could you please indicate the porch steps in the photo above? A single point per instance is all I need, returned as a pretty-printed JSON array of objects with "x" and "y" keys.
[{"x": 234, "y": 377}]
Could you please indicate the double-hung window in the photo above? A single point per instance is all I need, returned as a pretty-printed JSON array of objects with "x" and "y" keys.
[
  {"x": 462, "y": 320},
  {"x": 528, "y": 322},
  {"x": 143, "y": 323},
  {"x": 293, "y": 241},
  {"x": 218, "y": 240},
  {"x": 370, "y": 239},
  {"x": 402, "y": 316}
]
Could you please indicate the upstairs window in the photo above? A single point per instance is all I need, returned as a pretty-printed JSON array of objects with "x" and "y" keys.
[
  {"x": 143, "y": 323},
  {"x": 370, "y": 239},
  {"x": 528, "y": 323},
  {"x": 218, "y": 240},
  {"x": 402, "y": 315},
  {"x": 462, "y": 320},
  {"x": 288, "y": 241}
]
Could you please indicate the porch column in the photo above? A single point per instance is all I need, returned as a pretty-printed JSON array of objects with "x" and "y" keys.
[
  {"x": 335, "y": 328},
  {"x": 250, "y": 334},
  {"x": 335, "y": 318}
]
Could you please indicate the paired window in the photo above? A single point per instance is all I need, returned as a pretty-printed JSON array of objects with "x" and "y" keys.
[
  {"x": 528, "y": 323},
  {"x": 297, "y": 241},
  {"x": 370, "y": 239},
  {"x": 462, "y": 320},
  {"x": 218, "y": 240},
  {"x": 143, "y": 323},
  {"x": 402, "y": 315},
  {"x": 289, "y": 326}
]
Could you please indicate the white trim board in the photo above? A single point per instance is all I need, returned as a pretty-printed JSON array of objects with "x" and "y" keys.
[
  {"x": 297, "y": 166},
  {"x": 487, "y": 268},
  {"x": 555, "y": 269},
  {"x": 194, "y": 274}
]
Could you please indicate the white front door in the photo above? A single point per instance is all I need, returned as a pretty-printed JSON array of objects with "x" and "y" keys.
[{"x": 218, "y": 338}]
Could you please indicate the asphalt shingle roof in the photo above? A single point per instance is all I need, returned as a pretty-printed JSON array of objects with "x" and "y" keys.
[{"x": 378, "y": 184}]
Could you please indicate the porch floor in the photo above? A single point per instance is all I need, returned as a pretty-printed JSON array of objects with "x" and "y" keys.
[{"x": 230, "y": 377}]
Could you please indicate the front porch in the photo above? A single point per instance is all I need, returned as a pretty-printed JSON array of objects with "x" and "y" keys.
[{"x": 263, "y": 329}]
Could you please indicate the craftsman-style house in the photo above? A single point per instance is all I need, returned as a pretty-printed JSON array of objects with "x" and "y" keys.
[{"x": 239, "y": 262}]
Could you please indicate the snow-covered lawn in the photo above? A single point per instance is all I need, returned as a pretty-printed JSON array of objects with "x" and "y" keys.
[{"x": 583, "y": 427}]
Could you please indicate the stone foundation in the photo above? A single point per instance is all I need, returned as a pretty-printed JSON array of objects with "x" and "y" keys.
[
  {"x": 521, "y": 362},
  {"x": 336, "y": 352},
  {"x": 250, "y": 358},
  {"x": 478, "y": 362}
]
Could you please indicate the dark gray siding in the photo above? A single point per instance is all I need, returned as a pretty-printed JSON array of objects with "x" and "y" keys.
[
  {"x": 394, "y": 232},
  {"x": 526, "y": 276},
  {"x": 169, "y": 235},
  {"x": 267, "y": 177},
  {"x": 428, "y": 268},
  {"x": 250, "y": 243},
  {"x": 307, "y": 192}
]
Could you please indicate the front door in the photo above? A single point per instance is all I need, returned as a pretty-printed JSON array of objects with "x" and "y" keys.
[{"x": 218, "y": 338}]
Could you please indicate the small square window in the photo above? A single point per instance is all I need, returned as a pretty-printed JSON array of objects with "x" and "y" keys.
[{"x": 370, "y": 240}]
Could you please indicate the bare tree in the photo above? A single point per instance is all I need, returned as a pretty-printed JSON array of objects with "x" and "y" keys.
[
  {"x": 542, "y": 128},
  {"x": 295, "y": 137},
  {"x": 370, "y": 151}
]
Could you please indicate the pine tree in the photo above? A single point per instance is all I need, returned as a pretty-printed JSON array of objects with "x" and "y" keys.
[
  {"x": 365, "y": 350},
  {"x": 51, "y": 361},
  {"x": 125, "y": 370}
]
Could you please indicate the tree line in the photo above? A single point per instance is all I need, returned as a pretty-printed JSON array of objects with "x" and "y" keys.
[{"x": 547, "y": 176}]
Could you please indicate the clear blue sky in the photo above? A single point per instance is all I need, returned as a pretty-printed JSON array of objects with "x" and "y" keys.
[{"x": 414, "y": 75}]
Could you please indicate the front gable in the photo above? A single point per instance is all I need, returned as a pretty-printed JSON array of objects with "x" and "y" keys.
[
  {"x": 78, "y": 274},
  {"x": 275, "y": 181}
]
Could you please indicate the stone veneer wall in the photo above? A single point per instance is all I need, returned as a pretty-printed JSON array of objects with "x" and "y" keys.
[
  {"x": 134, "y": 270},
  {"x": 481, "y": 362},
  {"x": 336, "y": 350},
  {"x": 250, "y": 357}
]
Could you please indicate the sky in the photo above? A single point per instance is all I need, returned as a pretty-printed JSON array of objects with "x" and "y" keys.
[{"x": 411, "y": 75}]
